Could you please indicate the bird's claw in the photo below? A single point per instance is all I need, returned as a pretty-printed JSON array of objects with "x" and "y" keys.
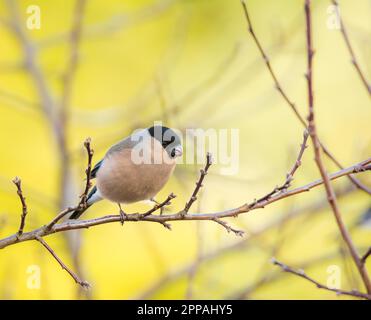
[{"x": 123, "y": 216}]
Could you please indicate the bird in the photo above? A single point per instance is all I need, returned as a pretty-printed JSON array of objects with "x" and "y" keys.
[{"x": 134, "y": 169}]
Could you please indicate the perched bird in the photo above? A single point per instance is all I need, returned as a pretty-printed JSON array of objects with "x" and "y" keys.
[{"x": 135, "y": 169}]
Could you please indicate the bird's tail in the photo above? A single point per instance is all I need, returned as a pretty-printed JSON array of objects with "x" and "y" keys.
[{"x": 93, "y": 197}]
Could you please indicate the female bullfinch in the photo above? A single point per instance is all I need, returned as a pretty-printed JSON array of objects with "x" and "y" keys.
[{"x": 136, "y": 168}]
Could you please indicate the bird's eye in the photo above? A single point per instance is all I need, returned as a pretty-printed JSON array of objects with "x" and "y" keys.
[{"x": 172, "y": 153}]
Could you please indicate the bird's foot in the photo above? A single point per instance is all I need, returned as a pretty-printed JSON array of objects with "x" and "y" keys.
[{"x": 123, "y": 216}]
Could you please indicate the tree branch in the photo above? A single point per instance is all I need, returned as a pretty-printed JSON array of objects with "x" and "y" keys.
[
  {"x": 18, "y": 184},
  {"x": 163, "y": 219},
  {"x": 268, "y": 64},
  {"x": 291, "y": 104},
  {"x": 366, "y": 255},
  {"x": 82, "y": 283},
  {"x": 318, "y": 158},
  {"x": 302, "y": 274},
  {"x": 227, "y": 227},
  {"x": 84, "y": 196},
  {"x": 203, "y": 173},
  {"x": 350, "y": 49},
  {"x": 90, "y": 153},
  {"x": 160, "y": 205}
]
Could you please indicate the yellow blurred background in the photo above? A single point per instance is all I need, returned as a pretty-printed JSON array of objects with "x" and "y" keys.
[{"x": 189, "y": 64}]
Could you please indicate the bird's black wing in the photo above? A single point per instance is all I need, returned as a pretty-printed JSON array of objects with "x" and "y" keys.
[{"x": 95, "y": 169}]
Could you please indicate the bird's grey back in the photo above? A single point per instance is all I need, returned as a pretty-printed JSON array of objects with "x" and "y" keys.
[{"x": 126, "y": 143}]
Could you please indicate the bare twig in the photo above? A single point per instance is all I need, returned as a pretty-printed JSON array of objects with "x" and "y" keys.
[
  {"x": 237, "y": 232},
  {"x": 318, "y": 158},
  {"x": 60, "y": 215},
  {"x": 18, "y": 184},
  {"x": 83, "y": 198},
  {"x": 158, "y": 206},
  {"x": 272, "y": 276},
  {"x": 303, "y": 275},
  {"x": 291, "y": 104},
  {"x": 203, "y": 173},
  {"x": 82, "y": 283},
  {"x": 297, "y": 164},
  {"x": 350, "y": 49},
  {"x": 366, "y": 255},
  {"x": 90, "y": 153},
  {"x": 268, "y": 64}
]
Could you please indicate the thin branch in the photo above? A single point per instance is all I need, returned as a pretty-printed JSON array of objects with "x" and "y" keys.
[
  {"x": 90, "y": 153},
  {"x": 203, "y": 173},
  {"x": 350, "y": 49},
  {"x": 303, "y": 275},
  {"x": 83, "y": 198},
  {"x": 158, "y": 206},
  {"x": 355, "y": 181},
  {"x": 163, "y": 219},
  {"x": 18, "y": 183},
  {"x": 366, "y": 255},
  {"x": 297, "y": 164},
  {"x": 237, "y": 232},
  {"x": 82, "y": 283},
  {"x": 272, "y": 276},
  {"x": 318, "y": 158},
  {"x": 60, "y": 215},
  {"x": 268, "y": 64},
  {"x": 291, "y": 104}
]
